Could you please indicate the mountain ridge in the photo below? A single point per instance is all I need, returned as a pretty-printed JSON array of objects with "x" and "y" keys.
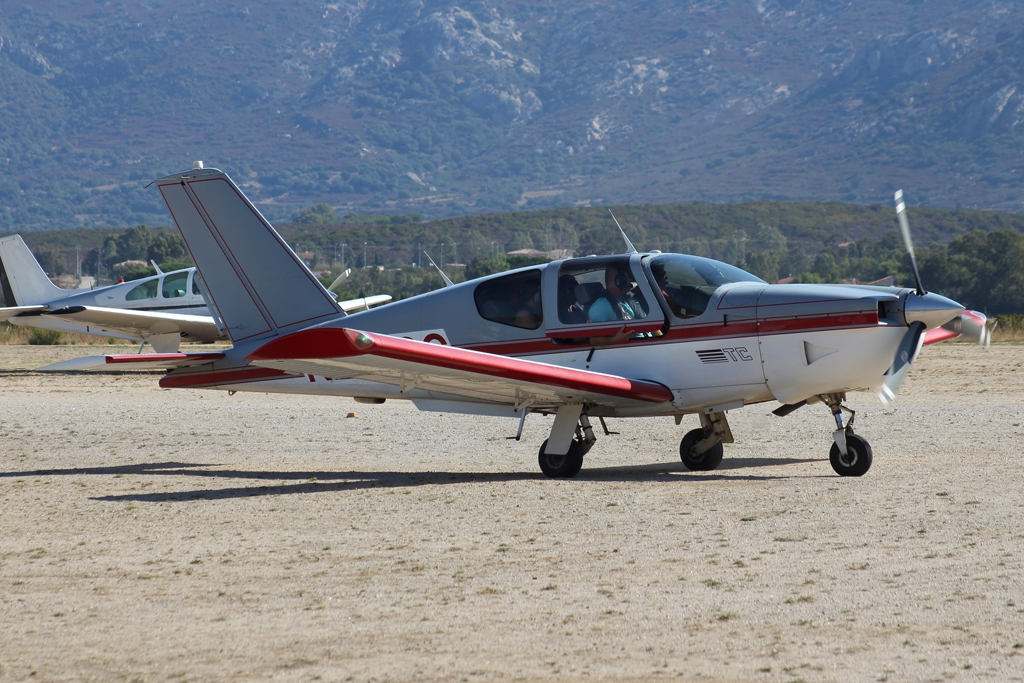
[{"x": 451, "y": 108}]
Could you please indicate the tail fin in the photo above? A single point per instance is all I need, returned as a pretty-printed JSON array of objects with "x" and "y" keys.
[
  {"x": 256, "y": 283},
  {"x": 22, "y": 278}
]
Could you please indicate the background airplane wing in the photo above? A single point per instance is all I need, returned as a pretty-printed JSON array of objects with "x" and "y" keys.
[
  {"x": 11, "y": 311},
  {"x": 341, "y": 353},
  {"x": 141, "y": 323},
  {"x": 135, "y": 361},
  {"x": 354, "y": 305}
]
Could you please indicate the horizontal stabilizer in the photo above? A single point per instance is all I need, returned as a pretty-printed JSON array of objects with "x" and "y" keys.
[
  {"x": 344, "y": 353},
  {"x": 135, "y": 361}
]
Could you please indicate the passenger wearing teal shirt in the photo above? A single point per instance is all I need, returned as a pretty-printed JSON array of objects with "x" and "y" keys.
[{"x": 614, "y": 305}]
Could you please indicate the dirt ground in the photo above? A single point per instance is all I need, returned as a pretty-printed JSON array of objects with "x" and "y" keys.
[{"x": 169, "y": 535}]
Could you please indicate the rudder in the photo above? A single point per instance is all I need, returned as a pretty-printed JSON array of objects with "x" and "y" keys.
[{"x": 253, "y": 279}]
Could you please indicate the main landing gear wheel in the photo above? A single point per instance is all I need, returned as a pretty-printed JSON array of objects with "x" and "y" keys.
[
  {"x": 562, "y": 466},
  {"x": 857, "y": 460},
  {"x": 706, "y": 461}
]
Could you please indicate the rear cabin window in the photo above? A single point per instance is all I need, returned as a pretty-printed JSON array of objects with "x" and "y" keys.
[
  {"x": 195, "y": 284},
  {"x": 511, "y": 300},
  {"x": 174, "y": 285},
  {"x": 147, "y": 290}
]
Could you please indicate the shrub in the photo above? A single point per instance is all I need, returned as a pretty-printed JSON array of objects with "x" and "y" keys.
[{"x": 39, "y": 337}]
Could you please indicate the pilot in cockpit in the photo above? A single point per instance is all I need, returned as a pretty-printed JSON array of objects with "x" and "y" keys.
[{"x": 615, "y": 304}]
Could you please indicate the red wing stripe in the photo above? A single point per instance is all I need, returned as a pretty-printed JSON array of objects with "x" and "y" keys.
[
  {"x": 338, "y": 342},
  {"x": 221, "y": 377}
]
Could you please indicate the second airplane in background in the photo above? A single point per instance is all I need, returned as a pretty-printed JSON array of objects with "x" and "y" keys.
[{"x": 164, "y": 309}]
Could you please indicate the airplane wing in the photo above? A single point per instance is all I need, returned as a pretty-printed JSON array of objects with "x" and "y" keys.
[
  {"x": 341, "y": 353},
  {"x": 141, "y": 323},
  {"x": 135, "y": 361},
  {"x": 353, "y": 305},
  {"x": 11, "y": 311}
]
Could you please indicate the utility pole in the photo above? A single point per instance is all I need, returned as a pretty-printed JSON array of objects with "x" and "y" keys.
[
  {"x": 364, "y": 254},
  {"x": 343, "y": 255}
]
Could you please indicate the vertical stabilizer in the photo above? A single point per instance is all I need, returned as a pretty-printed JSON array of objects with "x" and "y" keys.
[
  {"x": 257, "y": 284},
  {"x": 22, "y": 279}
]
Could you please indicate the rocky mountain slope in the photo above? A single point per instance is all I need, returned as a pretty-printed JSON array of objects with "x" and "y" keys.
[{"x": 449, "y": 108}]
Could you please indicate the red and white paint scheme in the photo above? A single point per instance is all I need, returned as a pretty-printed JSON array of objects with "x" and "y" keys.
[{"x": 629, "y": 335}]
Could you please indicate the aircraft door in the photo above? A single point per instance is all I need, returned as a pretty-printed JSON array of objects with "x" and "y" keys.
[{"x": 595, "y": 296}]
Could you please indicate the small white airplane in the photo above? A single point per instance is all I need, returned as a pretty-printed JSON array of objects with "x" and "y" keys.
[
  {"x": 164, "y": 309},
  {"x": 631, "y": 335}
]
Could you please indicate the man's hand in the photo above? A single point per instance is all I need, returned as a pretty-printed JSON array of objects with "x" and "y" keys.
[{"x": 619, "y": 337}]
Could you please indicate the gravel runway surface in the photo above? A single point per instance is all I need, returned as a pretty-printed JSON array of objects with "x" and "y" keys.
[{"x": 172, "y": 535}]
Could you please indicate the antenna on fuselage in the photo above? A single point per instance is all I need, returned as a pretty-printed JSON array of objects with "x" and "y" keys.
[
  {"x": 630, "y": 249},
  {"x": 158, "y": 271},
  {"x": 447, "y": 282}
]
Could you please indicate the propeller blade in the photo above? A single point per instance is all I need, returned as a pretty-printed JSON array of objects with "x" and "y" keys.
[
  {"x": 973, "y": 326},
  {"x": 901, "y": 214},
  {"x": 905, "y": 355}
]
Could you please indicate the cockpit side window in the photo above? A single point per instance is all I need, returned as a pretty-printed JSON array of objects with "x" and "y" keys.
[
  {"x": 687, "y": 282},
  {"x": 174, "y": 285},
  {"x": 599, "y": 290},
  {"x": 147, "y": 290},
  {"x": 511, "y": 300}
]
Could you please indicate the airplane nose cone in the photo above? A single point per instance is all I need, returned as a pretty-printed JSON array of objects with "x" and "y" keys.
[{"x": 931, "y": 309}]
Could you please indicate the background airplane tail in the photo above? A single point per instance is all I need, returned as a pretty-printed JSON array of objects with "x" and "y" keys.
[
  {"x": 22, "y": 279},
  {"x": 254, "y": 282}
]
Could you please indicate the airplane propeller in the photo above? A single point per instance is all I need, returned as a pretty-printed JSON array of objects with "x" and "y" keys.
[
  {"x": 922, "y": 310},
  {"x": 901, "y": 214}
]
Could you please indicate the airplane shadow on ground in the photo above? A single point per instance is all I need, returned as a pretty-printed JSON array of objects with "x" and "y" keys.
[{"x": 320, "y": 482}]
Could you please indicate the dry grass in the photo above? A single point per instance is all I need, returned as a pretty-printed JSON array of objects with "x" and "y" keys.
[{"x": 15, "y": 335}]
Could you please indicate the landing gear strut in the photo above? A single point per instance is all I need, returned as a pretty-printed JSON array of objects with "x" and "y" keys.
[
  {"x": 850, "y": 454},
  {"x": 568, "y": 465},
  {"x": 701, "y": 449}
]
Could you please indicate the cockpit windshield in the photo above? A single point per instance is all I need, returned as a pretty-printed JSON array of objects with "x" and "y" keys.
[{"x": 687, "y": 282}]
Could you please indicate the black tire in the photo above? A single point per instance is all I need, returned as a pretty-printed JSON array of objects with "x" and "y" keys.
[
  {"x": 706, "y": 461},
  {"x": 562, "y": 466},
  {"x": 858, "y": 461}
]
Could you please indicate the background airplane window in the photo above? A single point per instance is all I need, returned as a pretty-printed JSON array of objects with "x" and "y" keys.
[
  {"x": 174, "y": 285},
  {"x": 195, "y": 284},
  {"x": 511, "y": 300},
  {"x": 687, "y": 282},
  {"x": 147, "y": 290},
  {"x": 582, "y": 283}
]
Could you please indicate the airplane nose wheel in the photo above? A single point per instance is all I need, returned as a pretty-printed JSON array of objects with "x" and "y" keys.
[
  {"x": 857, "y": 460},
  {"x": 564, "y": 466},
  {"x": 704, "y": 462}
]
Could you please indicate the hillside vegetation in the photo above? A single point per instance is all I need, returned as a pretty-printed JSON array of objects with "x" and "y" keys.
[
  {"x": 448, "y": 108},
  {"x": 974, "y": 256}
]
